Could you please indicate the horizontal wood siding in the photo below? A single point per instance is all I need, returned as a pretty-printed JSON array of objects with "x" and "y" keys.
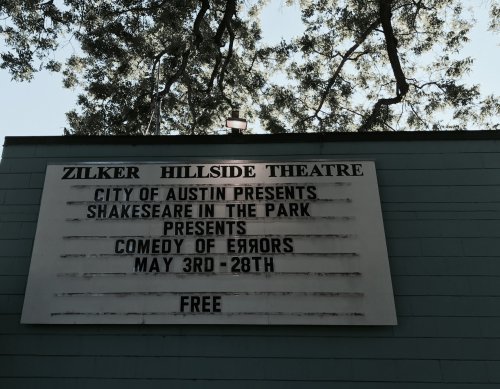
[{"x": 441, "y": 208}]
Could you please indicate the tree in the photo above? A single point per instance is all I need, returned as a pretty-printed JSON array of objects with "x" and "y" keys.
[{"x": 360, "y": 65}]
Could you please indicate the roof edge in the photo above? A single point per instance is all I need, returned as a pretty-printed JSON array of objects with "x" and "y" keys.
[{"x": 256, "y": 138}]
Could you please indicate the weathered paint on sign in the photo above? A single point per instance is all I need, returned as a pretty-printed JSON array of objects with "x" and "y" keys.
[{"x": 231, "y": 242}]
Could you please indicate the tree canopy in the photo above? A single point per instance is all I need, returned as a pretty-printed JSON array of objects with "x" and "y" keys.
[{"x": 359, "y": 65}]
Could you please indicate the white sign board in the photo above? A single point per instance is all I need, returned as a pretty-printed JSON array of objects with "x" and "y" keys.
[{"x": 232, "y": 242}]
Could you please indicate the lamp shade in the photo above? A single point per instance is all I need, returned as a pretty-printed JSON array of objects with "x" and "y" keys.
[{"x": 238, "y": 123}]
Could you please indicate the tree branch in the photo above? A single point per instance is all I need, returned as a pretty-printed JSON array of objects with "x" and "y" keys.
[
  {"x": 345, "y": 57},
  {"x": 229, "y": 12},
  {"x": 185, "y": 56},
  {"x": 228, "y": 57},
  {"x": 174, "y": 77},
  {"x": 205, "y": 6},
  {"x": 192, "y": 110},
  {"x": 402, "y": 87},
  {"x": 391, "y": 46},
  {"x": 215, "y": 70}
]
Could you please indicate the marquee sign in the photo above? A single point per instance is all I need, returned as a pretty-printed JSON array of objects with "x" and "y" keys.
[{"x": 228, "y": 242}]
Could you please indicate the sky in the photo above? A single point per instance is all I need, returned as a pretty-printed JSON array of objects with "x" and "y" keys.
[{"x": 38, "y": 108}]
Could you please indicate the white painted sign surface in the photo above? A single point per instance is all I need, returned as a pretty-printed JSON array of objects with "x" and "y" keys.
[{"x": 230, "y": 242}]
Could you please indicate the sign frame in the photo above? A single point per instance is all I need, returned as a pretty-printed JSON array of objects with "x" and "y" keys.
[{"x": 387, "y": 316}]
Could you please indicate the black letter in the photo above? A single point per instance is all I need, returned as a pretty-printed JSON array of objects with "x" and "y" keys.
[
  {"x": 67, "y": 172},
  {"x": 141, "y": 264}
]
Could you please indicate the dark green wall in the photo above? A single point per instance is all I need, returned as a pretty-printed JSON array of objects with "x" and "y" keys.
[{"x": 441, "y": 204}]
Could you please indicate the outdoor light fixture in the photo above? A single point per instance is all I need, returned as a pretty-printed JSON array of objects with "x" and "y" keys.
[{"x": 235, "y": 123}]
